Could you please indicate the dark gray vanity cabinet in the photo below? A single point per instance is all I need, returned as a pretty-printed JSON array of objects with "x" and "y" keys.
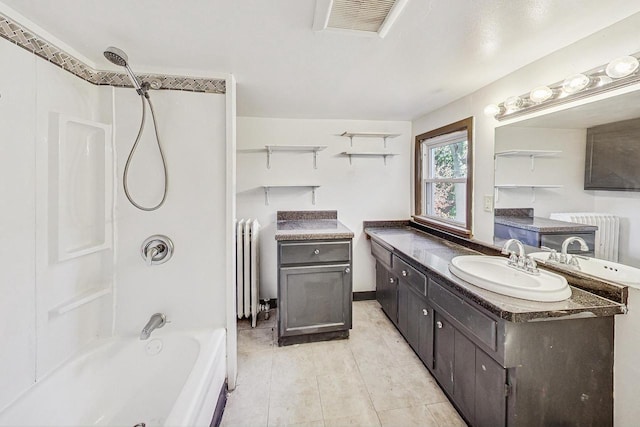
[
  {"x": 314, "y": 290},
  {"x": 497, "y": 372}
]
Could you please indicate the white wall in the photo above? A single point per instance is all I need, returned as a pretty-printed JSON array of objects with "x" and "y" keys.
[
  {"x": 365, "y": 190},
  {"x": 566, "y": 169},
  {"x": 190, "y": 287}
]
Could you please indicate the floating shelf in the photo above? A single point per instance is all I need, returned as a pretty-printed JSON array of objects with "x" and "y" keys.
[
  {"x": 531, "y": 186},
  {"x": 78, "y": 301},
  {"x": 532, "y": 154},
  {"x": 304, "y": 148},
  {"x": 267, "y": 189},
  {"x": 383, "y": 135},
  {"x": 368, "y": 154}
]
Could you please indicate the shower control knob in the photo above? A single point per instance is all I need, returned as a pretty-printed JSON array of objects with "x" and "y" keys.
[{"x": 157, "y": 249}]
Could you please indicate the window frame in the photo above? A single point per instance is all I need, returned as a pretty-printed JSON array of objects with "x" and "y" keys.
[{"x": 432, "y": 221}]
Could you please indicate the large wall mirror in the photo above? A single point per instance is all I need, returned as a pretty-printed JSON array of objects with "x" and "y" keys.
[{"x": 540, "y": 166}]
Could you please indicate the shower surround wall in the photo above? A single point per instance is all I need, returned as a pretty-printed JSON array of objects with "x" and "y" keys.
[
  {"x": 40, "y": 326},
  {"x": 189, "y": 288}
]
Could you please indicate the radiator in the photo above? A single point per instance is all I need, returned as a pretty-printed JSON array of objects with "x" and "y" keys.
[
  {"x": 607, "y": 235},
  {"x": 247, "y": 268}
]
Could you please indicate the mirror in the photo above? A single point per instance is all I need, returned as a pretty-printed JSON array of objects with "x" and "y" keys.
[{"x": 540, "y": 174}]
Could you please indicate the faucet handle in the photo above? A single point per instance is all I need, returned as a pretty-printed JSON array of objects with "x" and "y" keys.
[
  {"x": 553, "y": 254},
  {"x": 531, "y": 265}
]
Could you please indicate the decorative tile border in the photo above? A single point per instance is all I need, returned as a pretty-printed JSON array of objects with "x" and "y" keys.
[{"x": 22, "y": 37}]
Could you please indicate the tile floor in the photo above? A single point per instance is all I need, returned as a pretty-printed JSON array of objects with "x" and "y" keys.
[{"x": 371, "y": 379}]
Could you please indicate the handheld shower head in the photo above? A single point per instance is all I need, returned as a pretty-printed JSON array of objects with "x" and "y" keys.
[{"x": 118, "y": 57}]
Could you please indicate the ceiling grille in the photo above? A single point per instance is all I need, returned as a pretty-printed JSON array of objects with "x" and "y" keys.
[{"x": 361, "y": 15}]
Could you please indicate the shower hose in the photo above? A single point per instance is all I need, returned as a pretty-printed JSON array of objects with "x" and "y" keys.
[{"x": 144, "y": 96}]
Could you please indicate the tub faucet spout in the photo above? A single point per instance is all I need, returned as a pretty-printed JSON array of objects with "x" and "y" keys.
[{"x": 156, "y": 321}]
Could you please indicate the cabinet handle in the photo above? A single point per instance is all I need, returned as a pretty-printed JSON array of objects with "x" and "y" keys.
[
  {"x": 347, "y": 270},
  {"x": 391, "y": 280},
  {"x": 316, "y": 252},
  {"x": 404, "y": 273},
  {"x": 425, "y": 312},
  {"x": 439, "y": 324}
]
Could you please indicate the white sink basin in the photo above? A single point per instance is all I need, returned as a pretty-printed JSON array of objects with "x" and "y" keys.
[
  {"x": 607, "y": 270},
  {"x": 493, "y": 274}
]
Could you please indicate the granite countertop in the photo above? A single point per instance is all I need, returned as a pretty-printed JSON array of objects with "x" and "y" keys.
[
  {"x": 543, "y": 225},
  {"x": 310, "y": 225},
  {"x": 434, "y": 254}
]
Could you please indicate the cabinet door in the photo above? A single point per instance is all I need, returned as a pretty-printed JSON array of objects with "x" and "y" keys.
[
  {"x": 419, "y": 331},
  {"x": 490, "y": 400},
  {"x": 403, "y": 308},
  {"x": 464, "y": 377},
  {"x": 315, "y": 299},
  {"x": 386, "y": 291},
  {"x": 443, "y": 352}
]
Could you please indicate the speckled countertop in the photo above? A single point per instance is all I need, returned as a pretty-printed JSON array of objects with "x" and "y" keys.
[
  {"x": 310, "y": 225},
  {"x": 434, "y": 255},
  {"x": 543, "y": 225}
]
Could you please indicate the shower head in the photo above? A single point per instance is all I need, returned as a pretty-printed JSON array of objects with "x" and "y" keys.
[{"x": 118, "y": 57}]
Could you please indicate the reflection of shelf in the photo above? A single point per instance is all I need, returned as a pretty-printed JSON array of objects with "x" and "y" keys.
[
  {"x": 383, "y": 135},
  {"x": 78, "y": 301},
  {"x": 368, "y": 154},
  {"x": 309, "y": 148},
  {"x": 532, "y": 154},
  {"x": 267, "y": 189},
  {"x": 531, "y": 186}
]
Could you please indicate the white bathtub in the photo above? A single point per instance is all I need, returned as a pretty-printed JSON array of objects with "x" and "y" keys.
[{"x": 171, "y": 379}]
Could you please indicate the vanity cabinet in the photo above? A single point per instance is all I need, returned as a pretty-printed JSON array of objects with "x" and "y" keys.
[
  {"x": 314, "y": 290},
  {"x": 496, "y": 372}
]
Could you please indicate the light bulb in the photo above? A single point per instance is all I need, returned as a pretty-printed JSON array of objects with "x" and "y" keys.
[
  {"x": 575, "y": 83},
  {"x": 492, "y": 110},
  {"x": 622, "y": 67},
  {"x": 513, "y": 103},
  {"x": 541, "y": 94}
]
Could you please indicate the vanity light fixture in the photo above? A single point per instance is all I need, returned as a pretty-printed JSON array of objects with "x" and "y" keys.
[
  {"x": 620, "y": 72},
  {"x": 575, "y": 83},
  {"x": 541, "y": 94},
  {"x": 622, "y": 67}
]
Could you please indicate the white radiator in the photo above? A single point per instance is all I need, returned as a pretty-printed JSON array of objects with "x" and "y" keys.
[
  {"x": 607, "y": 235},
  {"x": 247, "y": 268}
]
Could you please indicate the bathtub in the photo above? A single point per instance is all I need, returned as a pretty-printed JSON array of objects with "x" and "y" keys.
[{"x": 171, "y": 379}]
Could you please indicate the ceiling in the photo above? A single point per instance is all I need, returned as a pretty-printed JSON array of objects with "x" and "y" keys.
[{"x": 436, "y": 52}]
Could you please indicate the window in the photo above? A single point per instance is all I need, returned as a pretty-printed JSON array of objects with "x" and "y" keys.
[{"x": 443, "y": 177}]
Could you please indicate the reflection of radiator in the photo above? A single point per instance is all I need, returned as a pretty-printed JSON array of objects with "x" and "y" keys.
[
  {"x": 247, "y": 268},
  {"x": 607, "y": 235}
]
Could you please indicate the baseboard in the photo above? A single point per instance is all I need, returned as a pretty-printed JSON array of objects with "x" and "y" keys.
[
  {"x": 222, "y": 402},
  {"x": 364, "y": 296}
]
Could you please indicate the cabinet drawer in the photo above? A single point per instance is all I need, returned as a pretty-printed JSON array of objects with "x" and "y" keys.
[
  {"x": 410, "y": 275},
  {"x": 381, "y": 254},
  {"x": 479, "y": 325},
  {"x": 314, "y": 252}
]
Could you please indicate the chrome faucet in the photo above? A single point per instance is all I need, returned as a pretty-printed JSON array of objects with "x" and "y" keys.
[
  {"x": 156, "y": 321},
  {"x": 520, "y": 261},
  {"x": 564, "y": 257}
]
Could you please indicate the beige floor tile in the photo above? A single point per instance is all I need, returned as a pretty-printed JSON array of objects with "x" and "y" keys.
[
  {"x": 255, "y": 367},
  {"x": 446, "y": 415},
  {"x": 400, "y": 386},
  {"x": 293, "y": 362},
  {"x": 367, "y": 419},
  {"x": 294, "y": 402},
  {"x": 247, "y": 405},
  {"x": 343, "y": 396},
  {"x": 250, "y": 340},
  {"x": 406, "y": 417},
  {"x": 333, "y": 357}
]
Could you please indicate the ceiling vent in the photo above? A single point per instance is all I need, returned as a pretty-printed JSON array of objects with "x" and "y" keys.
[{"x": 365, "y": 16}]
